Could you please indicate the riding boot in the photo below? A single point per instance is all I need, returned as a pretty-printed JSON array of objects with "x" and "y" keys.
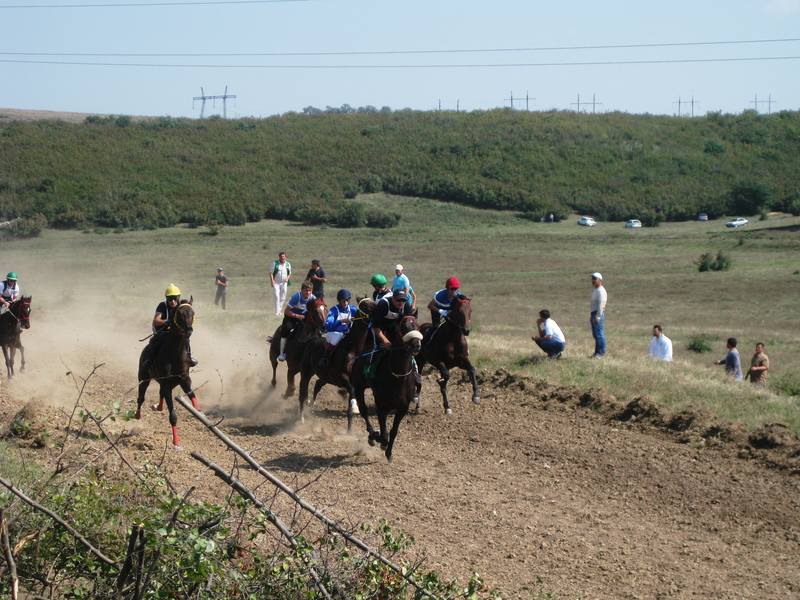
[{"x": 282, "y": 355}]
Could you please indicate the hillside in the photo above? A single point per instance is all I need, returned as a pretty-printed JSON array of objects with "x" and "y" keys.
[{"x": 121, "y": 173}]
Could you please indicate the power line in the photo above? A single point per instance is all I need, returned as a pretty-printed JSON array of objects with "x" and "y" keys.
[
  {"x": 401, "y": 66},
  {"x": 145, "y": 4},
  {"x": 395, "y": 52}
]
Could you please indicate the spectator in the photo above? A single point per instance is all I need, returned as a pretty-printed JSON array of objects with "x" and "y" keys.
[
  {"x": 222, "y": 288},
  {"x": 280, "y": 276},
  {"x": 660, "y": 345},
  {"x": 732, "y": 362},
  {"x": 759, "y": 366},
  {"x": 550, "y": 338},
  {"x": 401, "y": 282},
  {"x": 598, "y": 316},
  {"x": 317, "y": 276}
]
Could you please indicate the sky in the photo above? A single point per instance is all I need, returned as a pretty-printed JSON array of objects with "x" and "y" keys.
[{"x": 327, "y": 26}]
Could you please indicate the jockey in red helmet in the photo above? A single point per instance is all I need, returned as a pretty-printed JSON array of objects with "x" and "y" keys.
[{"x": 442, "y": 299}]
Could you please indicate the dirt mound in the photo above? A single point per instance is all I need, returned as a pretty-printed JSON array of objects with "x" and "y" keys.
[
  {"x": 774, "y": 435},
  {"x": 29, "y": 425}
]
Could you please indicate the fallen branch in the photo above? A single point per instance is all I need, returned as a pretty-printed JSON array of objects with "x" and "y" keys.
[
  {"x": 36, "y": 506},
  {"x": 245, "y": 493},
  {"x": 327, "y": 521},
  {"x": 127, "y": 565},
  {"x": 12, "y": 566}
]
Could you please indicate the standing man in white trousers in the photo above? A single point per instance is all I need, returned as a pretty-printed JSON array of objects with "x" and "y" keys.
[{"x": 280, "y": 276}]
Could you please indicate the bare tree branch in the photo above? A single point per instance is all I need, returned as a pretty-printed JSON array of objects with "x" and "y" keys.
[
  {"x": 12, "y": 566},
  {"x": 244, "y": 492},
  {"x": 327, "y": 521}
]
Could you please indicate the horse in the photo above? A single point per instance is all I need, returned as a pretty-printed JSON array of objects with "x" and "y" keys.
[
  {"x": 168, "y": 363},
  {"x": 314, "y": 320},
  {"x": 336, "y": 371},
  {"x": 445, "y": 347},
  {"x": 12, "y": 322},
  {"x": 393, "y": 382}
]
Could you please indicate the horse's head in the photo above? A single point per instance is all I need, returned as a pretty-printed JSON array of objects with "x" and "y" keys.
[
  {"x": 409, "y": 334},
  {"x": 316, "y": 312},
  {"x": 21, "y": 309},
  {"x": 460, "y": 313},
  {"x": 183, "y": 318}
]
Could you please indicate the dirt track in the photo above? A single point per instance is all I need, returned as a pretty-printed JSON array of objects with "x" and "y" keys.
[{"x": 530, "y": 490}]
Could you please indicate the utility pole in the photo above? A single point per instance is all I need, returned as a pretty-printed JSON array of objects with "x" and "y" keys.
[
  {"x": 770, "y": 102},
  {"x": 693, "y": 102},
  {"x": 755, "y": 102},
  {"x": 440, "y": 105},
  {"x": 458, "y": 105},
  {"x": 511, "y": 99},
  {"x": 595, "y": 103},
  {"x": 527, "y": 101},
  {"x": 578, "y": 103},
  {"x": 224, "y": 97},
  {"x": 679, "y": 102}
]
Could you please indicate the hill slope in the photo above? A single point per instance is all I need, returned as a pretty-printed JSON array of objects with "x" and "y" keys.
[{"x": 116, "y": 172}]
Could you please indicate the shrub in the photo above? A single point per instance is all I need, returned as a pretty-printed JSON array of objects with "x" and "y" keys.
[
  {"x": 350, "y": 215},
  {"x": 381, "y": 219},
  {"x": 787, "y": 384},
  {"x": 707, "y": 262},
  {"x": 699, "y": 343},
  {"x": 748, "y": 198},
  {"x": 29, "y": 226},
  {"x": 713, "y": 147}
]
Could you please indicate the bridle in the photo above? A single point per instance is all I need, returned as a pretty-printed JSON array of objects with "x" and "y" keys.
[
  {"x": 451, "y": 321},
  {"x": 23, "y": 319},
  {"x": 181, "y": 329}
]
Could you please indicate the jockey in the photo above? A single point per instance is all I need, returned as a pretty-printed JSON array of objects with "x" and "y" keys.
[
  {"x": 294, "y": 313},
  {"x": 9, "y": 290},
  {"x": 165, "y": 311},
  {"x": 442, "y": 300},
  {"x": 387, "y": 314},
  {"x": 379, "y": 282},
  {"x": 340, "y": 318}
]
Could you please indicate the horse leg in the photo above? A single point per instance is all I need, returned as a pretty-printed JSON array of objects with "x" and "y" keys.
[
  {"x": 166, "y": 393},
  {"x": 393, "y": 433},
  {"x": 476, "y": 398},
  {"x": 318, "y": 385},
  {"x": 352, "y": 403},
  {"x": 12, "y": 352},
  {"x": 305, "y": 379},
  {"x": 8, "y": 361},
  {"x": 362, "y": 408},
  {"x": 186, "y": 386},
  {"x": 21, "y": 355},
  {"x": 289, "y": 383},
  {"x": 382, "y": 415},
  {"x": 445, "y": 375},
  {"x": 143, "y": 385},
  {"x": 274, "y": 362}
]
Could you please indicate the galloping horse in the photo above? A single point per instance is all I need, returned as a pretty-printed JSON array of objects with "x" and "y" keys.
[
  {"x": 12, "y": 322},
  {"x": 446, "y": 347},
  {"x": 316, "y": 311},
  {"x": 393, "y": 382},
  {"x": 336, "y": 372},
  {"x": 169, "y": 365}
]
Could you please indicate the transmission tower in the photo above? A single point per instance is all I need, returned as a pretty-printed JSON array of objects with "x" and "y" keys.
[{"x": 202, "y": 98}]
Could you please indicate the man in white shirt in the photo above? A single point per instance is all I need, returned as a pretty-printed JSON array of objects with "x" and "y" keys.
[
  {"x": 280, "y": 276},
  {"x": 551, "y": 338},
  {"x": 598, "y": 315},
  {"x": 660, "y": 345}
]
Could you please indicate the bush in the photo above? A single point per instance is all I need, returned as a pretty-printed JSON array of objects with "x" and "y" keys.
[
  {"x": 699, "y": 343},
  {"x": 748, "y": 198},
  {"x": 787, "y": 384},
  {"x": 381, "y": 219},
  {"x": 29, "y": 226},
  {"x": 713, "y": 147},
  {"x": 706, "y": 262},
  {"x": 350, "y": 215}
]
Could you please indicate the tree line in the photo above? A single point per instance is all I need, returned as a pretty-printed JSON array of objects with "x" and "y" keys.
[{"x": 119, "y": 172}]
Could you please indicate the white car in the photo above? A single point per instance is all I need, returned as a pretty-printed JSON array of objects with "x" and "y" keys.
[
  {"x": 737, "y": 222},
  {"x": 587, "y": 221},
  {"x": 633, "y": 224}
]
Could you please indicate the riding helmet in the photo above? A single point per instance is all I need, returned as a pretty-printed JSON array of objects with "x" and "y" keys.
[
  {"x": 12, "y": 276},
  {"x": 343, "y": 294},
  {"x": 378, "y": 279},
  {"x": 172, "y": 290},
  {"x": 452, "y": 283}
]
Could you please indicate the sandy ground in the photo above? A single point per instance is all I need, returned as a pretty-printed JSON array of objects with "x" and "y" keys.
[{"x": 531, "y": 489}]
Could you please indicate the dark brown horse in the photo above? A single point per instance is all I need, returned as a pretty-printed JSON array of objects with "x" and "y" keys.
[
  {"x": 166, "y": 360},
  {"x": 314, "y": 320},
  {"x": 391, "y": 375},
  {"x": 337, "y": 370},
  {"x": 445, "y": 347},
  {"x": 12, "y": 322}
]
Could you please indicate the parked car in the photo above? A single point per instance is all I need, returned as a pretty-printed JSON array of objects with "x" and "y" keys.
[
  {"x": 587, "y": 222},
  {"x": 633, "y": 224},
  {"x": 702, "y": 217},
  {"x": 737, "y": 222}
]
